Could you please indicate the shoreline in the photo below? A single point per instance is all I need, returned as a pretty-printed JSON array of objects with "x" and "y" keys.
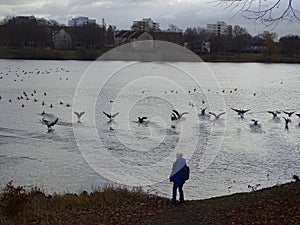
[
  {"x": 93, "y": 54},
  {"x": 111, "y": 205}
]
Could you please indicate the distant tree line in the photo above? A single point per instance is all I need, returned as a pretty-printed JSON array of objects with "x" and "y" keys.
[
  {"x": 20, "y": 32},
  {"x": 238, "y": 40},
  {"x": 32, "y": 32}
]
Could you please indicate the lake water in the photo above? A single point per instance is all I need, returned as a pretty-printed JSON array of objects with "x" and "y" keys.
[{"x": 224, "y": 155}]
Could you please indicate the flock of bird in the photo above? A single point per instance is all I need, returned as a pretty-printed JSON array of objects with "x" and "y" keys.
[
  {"x": 21, "y": 74},
  {"x": 24, "y": 98},
  {"x": 50, "y": 120}
]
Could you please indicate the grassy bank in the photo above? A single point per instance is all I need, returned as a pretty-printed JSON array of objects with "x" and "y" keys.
[
  {"x": 92, "y": 54},
  {"x": 49, "y": 54},
  {"x": 276, "y": 205},
  {"x": 249, "y": 57}
]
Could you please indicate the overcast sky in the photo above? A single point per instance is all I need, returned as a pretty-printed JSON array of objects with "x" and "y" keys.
[{"x": 121, "y": 13}]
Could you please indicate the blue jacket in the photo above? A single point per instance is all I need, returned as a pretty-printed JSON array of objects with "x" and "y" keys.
[{"x": 177, "y": 165}]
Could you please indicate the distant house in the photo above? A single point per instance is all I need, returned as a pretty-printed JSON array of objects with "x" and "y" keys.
[
  {"x": 205, "y": 47},
  {"x": 126, "y": 36},
  {"x": 174, "y": 37},
  {"x": 62, "y": 40}
]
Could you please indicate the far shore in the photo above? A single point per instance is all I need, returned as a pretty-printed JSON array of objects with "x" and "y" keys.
[{"x": 93, "y": 54}]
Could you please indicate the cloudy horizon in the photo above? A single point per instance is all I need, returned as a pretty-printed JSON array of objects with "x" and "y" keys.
[{"x": 182, "y": 13}]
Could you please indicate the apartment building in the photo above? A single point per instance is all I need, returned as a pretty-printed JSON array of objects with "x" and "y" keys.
[
  {"x": 219, "y": 28},
  {"x": 81, "y": 21}
]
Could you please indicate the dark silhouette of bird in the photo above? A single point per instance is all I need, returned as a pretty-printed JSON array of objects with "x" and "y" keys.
[
  {"x": 9, "y": 100},
  {"x": 45, "y": 93},
  {"x": 43, "y": 103},
  {"x": 255, "y": 122},
  {"x": 296, "y": 178},
  {"x": 289, "y": 113},
  {"x": 176, "y": 115},
  {"x": 173, "y": 117},
  {"x": 49, "y": 120},
  {"x": 68, "y": 105},
  {"x": 217, "y": 116},
  {"x": 297, "y": 114},
  {"x": 274, "y": 113},
  {"x": 255, "y": 126},
  {"x": 111, "y": 116},
  {"x": 287, "y": 121},
  {"x": 142, "y": 119},
  {"x": 51, "y": 106},
  {"x": 61, "y": 103},
  {"x": 202, "y": 112},
  {"x": 22, "y": 105},
  {"x": 79, "y": 115},
  {"x": 241, "y": 112}
]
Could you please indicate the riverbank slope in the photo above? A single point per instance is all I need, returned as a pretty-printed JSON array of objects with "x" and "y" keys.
[{"x": 276, "y": 205}]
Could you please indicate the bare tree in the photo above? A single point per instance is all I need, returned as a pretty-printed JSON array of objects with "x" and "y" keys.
[{"x": 269, "y": 12}]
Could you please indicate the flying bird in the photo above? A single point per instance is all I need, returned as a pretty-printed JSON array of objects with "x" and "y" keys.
[
  {"x": 255, "y": 126},
  {"x": 241, "y": 112},
  {"x": 274, "y": 113},
  {"x": 289, "y": 113},
  {"x": 202, "y": 112},
  {"x": 176, "y": 115},
  {"x": 79, "y": 115},
  {"x": 49, "y": 120},
  {"x": 142, "y": 119},
  {"x": 287, "y": 121},
  {"x": 111, "y": 116},
  {"x": 217, "y": 116}
]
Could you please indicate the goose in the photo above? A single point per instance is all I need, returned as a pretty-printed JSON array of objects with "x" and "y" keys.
[
  {"x": 111, "y": 116},
  {"x": 202, "y": 112},
  {"x": 241, "y": 112},
  {"x": 274, "y": 113},
  {"x": 287, "y": 121},
  {"x": 177, "y": 115},
  {"x": 255, "y": 124},
  {"x": 49, "y": 120},
  {"x": 289, "y": 113},
  {"x": 142, "y": 119},
  {"x": 217, "y": 116},
  {"x": 79, "y": 115}
]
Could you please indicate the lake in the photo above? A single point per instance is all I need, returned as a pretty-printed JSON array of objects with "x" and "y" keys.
[{"x": 225, "y": 155}]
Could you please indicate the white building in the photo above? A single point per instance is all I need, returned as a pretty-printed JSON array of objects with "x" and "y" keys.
[
  {"x": 81, "y": 21},
  {"x": 62, "y": 40},
  {"x": 147, "y": 25},
  {"x": 219, "y": 28}
]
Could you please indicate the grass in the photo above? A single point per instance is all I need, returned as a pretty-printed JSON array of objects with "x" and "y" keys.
[
  {"x": 49, "y": 54},
  {"x": 121, "y": 205},
  {"x": 249, "y": 57},
  {"x": 18, "y": 206},
  {"x": 92, "y": 54}
]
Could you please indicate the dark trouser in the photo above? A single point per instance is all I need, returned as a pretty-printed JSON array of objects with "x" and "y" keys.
[{"x": 179, "y": 186}]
